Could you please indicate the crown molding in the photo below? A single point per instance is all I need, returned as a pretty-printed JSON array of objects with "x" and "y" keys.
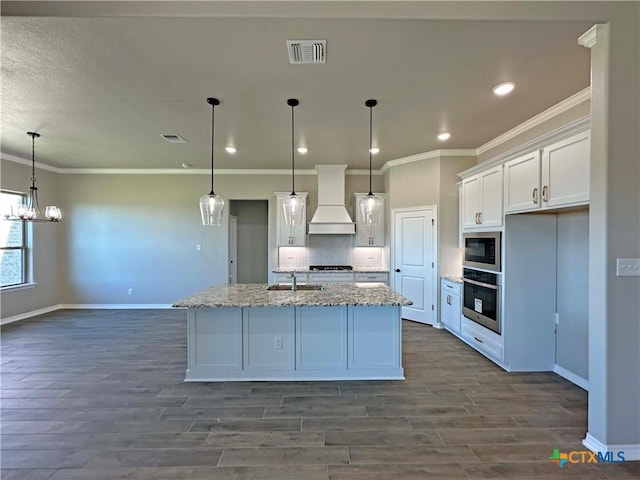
[
  {"x": 590, "y": 37},
  {"x": 427, "y": 155},
  {"x": 557, "y": 109},
  {"x": 538, "y": 143},
  {"x": 23, "y": 161}
]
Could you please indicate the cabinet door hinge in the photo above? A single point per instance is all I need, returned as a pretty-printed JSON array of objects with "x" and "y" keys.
[
  {"x": 433, "y": 265},
  {"x": 432, "y": 307},
  {"x": 433, "y": 222}
]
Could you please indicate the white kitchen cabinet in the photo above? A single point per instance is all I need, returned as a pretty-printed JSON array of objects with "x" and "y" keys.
[
  {"x": 345, "y": 277},
  {"x": 482, "y": 200},
  {"x": 290, "y": 235},
  {"x": 565, "y": 171},
  {"x": 282, "y": 277},
  {"x": 377, "y": 277},
  {"x": 556, "y": 176},
  {"x": 522, "y": 183},
  {"x": 368, "y": 235},
  {"x": 450, "y": 305}
]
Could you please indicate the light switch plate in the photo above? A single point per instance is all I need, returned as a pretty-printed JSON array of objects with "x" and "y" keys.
[{"x": 628, "y": 267}]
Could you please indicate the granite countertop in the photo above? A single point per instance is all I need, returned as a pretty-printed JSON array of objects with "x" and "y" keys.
[
  {"x": 257, "y": 295},
  {"x": 452, "y": 278},
  {"x": 355, "y": 270}
]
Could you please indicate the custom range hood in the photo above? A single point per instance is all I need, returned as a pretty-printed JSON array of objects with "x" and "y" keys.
[{"x": 331, "y": 217}]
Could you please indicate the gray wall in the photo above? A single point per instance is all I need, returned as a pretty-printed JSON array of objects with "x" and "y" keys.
[
  {"x": 141, "y": 231},
  {"x": 253, "y": 239},
  {"x": 572, "y": 280},
  {"x": 46, "y": 245}
]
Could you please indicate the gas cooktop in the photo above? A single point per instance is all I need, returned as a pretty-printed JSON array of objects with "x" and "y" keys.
[{"x": 330, "y": 267}]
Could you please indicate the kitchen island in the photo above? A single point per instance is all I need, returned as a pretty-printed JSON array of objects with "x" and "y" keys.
[{"x": 247, "y": 332}]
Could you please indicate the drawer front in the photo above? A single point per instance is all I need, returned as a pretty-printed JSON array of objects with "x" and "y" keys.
[
  {"x": 372, "y": 277},
  {"x": 331, "y": 277},
  {"x": 481, "y": 340},
  {"x": 286, "y": 277},
  {"x": 451, "y": 287}
]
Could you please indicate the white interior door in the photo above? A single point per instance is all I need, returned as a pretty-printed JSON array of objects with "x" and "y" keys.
[
  {"x": 233, "y": 249},
  {"x": 414, "y": 262}
]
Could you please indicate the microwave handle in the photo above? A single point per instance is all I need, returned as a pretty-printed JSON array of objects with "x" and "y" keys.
[{"x": 473, "y": 282}]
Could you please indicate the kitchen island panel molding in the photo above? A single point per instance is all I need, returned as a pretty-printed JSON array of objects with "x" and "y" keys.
[{"x": 246, "y": 332}]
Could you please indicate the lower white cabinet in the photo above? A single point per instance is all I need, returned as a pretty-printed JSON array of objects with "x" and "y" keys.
[
  {"x": 372, "y": 278},
  {"x": 331, "y": 277},
  {"x": 450, "y": 305},
  {"x": 482, "y": 339},
  {"x": 286, "y": 277}
]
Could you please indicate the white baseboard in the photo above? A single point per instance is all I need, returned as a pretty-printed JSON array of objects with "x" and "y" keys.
[
  {"x": 87, "y": 306},
  {"x": 32, "y": 313},
  {"x": 115, "y": 306},
  {"x": 631, "y": 451},
  {"x": 572, "y": 377}
]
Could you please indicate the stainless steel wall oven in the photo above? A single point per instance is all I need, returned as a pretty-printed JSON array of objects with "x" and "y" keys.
[{"x": 481, "y": 297}]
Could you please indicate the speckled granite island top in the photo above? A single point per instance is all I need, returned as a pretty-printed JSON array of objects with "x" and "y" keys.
[
  {"x": 257, "y": 295},
  {"x": 354, "y": 270}
]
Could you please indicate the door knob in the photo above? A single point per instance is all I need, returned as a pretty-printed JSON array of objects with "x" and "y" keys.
[{"x": 397, "y": 270}]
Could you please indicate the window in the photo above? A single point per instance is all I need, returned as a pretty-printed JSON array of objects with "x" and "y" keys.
[{"x": 13, "y": 245}]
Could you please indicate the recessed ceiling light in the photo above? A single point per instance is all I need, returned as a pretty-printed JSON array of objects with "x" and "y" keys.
[
  {"x": 303, "y": 150},
  {"x": 231, "y": 149},
  {"x": 504, "y": 88},
  {"x": 186, "y": 165},
  {"x": 444, "y": 136},
  {"x": 374, "y": 150}
]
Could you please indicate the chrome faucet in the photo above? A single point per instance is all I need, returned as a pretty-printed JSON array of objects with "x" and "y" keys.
[{"x": 294, "y": 282}]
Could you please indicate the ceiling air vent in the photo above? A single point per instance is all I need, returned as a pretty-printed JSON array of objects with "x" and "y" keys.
[
  {"x": 307, "y": 51},
  {"x": 173, "y": 138}
]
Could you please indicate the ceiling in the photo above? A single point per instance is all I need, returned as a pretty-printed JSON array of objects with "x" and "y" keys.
[{"x": 102, "y": 89}]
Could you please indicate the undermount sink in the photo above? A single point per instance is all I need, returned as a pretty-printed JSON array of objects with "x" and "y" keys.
[{"x": 307, "y": 286}]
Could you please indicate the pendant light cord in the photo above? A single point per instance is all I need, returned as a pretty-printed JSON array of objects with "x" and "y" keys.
[
  {"x": 213, "y": 108},
  {"x": 370, "y": 140},
  {"x": 293, "y": 163}
]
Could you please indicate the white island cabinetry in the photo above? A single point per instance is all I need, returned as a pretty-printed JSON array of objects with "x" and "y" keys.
[{"x": 245, "y": 332}]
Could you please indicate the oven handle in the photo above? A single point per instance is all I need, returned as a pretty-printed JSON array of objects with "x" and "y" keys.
[{"x": 486, "y": 285}]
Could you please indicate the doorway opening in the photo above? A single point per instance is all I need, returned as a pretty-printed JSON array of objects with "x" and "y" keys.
[{"x": 248, "y": 241}]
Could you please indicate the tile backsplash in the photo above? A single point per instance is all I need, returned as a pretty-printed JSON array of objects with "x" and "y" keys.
[{"x": 330, "y": 250}]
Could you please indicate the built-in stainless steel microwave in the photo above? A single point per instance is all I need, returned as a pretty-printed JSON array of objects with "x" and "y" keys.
[{"x": 482, "y": 250}]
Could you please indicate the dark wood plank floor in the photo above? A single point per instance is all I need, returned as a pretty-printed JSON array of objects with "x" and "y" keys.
[{"x": 90, "y": 394}]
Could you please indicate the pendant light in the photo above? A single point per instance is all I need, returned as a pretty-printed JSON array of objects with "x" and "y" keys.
[
  {"x": 370, "y": 206},
  {"x": 293, "y": 204},
  {"x": 212, "y": 205},
  {"x": 30, "y": 210}
]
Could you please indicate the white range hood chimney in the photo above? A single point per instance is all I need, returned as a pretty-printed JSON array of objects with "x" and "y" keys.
[{"x": 331, "y": 217}]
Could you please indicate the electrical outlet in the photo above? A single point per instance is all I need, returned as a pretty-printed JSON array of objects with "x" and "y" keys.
[
  {"x": 130, "y": 291},
  {"x": 628, "y": 267},
  {"x": 277, "y": 343}
]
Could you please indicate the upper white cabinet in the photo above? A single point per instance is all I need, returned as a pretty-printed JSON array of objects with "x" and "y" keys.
[
  {"x": 556, "y": 176},
  {"x": 565, "y": 171},
  {"x": 290, "y": 235},
  {"x": 522, "y": 183},
  {"x": 482, "y": 199},
  {"x": 368, "y": 235}
]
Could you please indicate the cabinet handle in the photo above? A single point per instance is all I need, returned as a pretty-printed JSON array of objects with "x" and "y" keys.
[
  {"x": 477, "y": 339},
  {"x": 479, "y": 217},
  {"x": 476, "y": 218},
  {"x": 545, "y": 194},
  {"x": 448, "y": 299},
  {"x": 535, "y": 196}
]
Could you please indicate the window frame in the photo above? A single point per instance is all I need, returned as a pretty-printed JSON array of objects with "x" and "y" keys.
[{"x": 24, "y": 248}]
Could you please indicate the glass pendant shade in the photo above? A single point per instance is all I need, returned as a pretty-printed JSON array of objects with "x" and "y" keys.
[
  {"x": 212, "y": 205},
  {"x": 292, "y": 209},
  {"x": 211, "y": 208},
  {"x": 371, "y": 210}
]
